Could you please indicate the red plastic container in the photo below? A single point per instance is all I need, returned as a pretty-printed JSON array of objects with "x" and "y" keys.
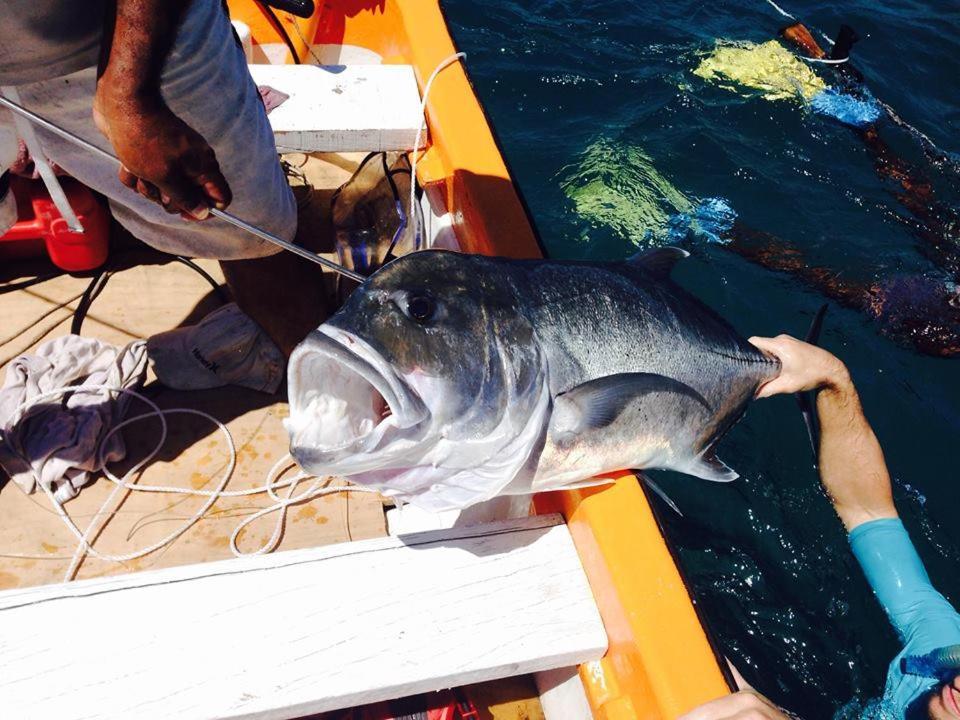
[{"x": 41, "y": 225}]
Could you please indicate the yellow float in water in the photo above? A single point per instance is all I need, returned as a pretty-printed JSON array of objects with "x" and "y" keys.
[
  {"x": 767, "y": 68},
  {"x": 616, "y": 185}
]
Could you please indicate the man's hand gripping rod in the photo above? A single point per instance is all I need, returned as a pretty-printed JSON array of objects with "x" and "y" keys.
[{"x": 225, "y": 216}]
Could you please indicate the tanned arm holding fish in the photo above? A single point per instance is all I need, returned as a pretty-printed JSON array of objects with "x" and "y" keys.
[{"x": 923, "y": 681}]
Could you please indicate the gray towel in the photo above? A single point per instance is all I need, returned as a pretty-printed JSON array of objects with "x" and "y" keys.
[{"x": 56, "y": 441}]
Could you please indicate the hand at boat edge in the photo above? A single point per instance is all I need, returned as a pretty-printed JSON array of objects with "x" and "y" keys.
[{"x": 742, "y": 705}]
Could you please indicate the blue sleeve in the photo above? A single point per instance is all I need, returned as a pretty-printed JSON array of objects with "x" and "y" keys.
[{"x": 922, "y": 617}]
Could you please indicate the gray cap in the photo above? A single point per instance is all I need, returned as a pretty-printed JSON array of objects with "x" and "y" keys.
[{"x": 225, "y": 348}]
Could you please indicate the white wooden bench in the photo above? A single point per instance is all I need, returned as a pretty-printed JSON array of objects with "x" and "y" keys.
[
  {"x": 343, "y": 108},
  {"x": 304, "y": 631}
]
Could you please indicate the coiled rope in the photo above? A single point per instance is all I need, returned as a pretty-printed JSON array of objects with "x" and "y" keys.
[{"x": 272, "y": 484}]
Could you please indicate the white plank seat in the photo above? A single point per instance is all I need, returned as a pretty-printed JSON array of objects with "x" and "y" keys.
[
  {"x": 304, "y": 631},
  {"x": 343, "y": 108}
]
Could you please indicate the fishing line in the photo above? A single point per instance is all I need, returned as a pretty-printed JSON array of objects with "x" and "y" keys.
[
  {"x": 930, "y": 148},
  {"x": 85, "y": 541},
  {"x": 780, "y": 10},
  {"x": 825, "y": 61}
]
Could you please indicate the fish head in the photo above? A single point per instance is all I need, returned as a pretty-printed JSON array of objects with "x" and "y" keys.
[{"x": 428, "y": 385}]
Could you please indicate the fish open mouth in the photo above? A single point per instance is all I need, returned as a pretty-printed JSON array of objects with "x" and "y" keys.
[{"x": 344, "y": 397}]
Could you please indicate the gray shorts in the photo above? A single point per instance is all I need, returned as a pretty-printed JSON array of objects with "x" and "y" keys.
[{"x": 207, "y": 84}]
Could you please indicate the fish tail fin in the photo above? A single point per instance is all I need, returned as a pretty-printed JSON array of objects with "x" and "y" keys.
[
  {"x": 806, "y": 400},
  {"x": 660, "y": 492}
]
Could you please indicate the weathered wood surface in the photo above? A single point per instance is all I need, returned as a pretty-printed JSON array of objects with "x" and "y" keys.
[
  {"x": 343, "y": 108},
  {"x": 304, "y": 631},
  {"x": 147, "y": 294}
]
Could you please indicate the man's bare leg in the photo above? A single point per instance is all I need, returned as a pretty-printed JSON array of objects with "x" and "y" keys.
[{"x": 283, "y": 293}]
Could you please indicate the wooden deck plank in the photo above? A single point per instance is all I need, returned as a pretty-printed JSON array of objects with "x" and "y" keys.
[
  {"x": 147, "y": 294},
  {"x": 343, "y": 108},
  {"x": 288, "y": 634}
]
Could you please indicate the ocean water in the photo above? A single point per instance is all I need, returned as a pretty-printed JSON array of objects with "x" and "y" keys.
[{"x": 617, "y": 145}]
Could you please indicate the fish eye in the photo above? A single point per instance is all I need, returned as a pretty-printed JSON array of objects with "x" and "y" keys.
[{"x": 421, "y": 308}]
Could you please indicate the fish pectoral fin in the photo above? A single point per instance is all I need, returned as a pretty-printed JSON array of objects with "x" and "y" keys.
[
  {"x": 598, "y": 403},
  {"x": 659, "y": 262},
  {"x": 710, "y": 467}
]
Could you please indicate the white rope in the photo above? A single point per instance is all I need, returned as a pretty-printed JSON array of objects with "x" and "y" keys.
[
  {"x": 416, "y": 143},
  {"x": 825, "y": 61},
  {"x": 783, "y": 12},
  {"x": 85, "y": 539},
  {"x": 780, "y": 10}
]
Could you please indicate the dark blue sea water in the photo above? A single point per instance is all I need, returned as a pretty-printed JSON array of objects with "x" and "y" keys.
[{"x": 610, "y": 134}]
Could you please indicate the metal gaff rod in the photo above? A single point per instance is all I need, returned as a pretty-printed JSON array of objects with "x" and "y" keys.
[{"x": 223, "y": 215}]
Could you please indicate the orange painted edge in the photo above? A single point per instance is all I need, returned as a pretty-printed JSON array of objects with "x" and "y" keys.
[
  {"x": 488, "y": 216},
  {"x": 659, "y": 663},
  {"x": 262, "y": 31}
]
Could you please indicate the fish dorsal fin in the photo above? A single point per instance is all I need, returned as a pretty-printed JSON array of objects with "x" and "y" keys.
[
  {"x": 597, "y": 403},
  {"x": 709, "y": 467},
  {"x": 659, "y": 262}
]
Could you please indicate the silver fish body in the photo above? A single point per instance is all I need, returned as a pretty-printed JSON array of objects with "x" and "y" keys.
[{"x": 447, "y": 379}]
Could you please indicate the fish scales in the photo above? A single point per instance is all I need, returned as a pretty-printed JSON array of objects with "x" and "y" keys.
[{"x": 448, "y": 379}]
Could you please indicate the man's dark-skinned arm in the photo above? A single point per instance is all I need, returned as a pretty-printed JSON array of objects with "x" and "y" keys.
[{"x": 162, "y": 157}]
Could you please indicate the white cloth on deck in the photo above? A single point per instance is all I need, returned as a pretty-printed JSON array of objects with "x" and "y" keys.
[{"x": 56, "y": 441}]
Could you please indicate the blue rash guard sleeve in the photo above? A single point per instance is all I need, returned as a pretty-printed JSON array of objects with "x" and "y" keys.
[{"x": 922, "y": 617}]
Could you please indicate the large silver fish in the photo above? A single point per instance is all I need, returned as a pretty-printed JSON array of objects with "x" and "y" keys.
[{"x": 447, "y": 379}]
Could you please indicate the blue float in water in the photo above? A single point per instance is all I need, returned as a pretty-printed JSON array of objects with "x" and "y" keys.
[
  {"x": 711, "y": 219},
  {"x": 846, "y": 108}
]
